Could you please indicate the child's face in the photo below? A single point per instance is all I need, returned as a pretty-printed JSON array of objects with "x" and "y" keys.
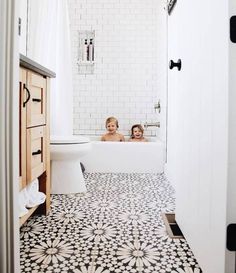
[
  {"x": 111, "y": 127},
  {"x": 137, "y": 133}
]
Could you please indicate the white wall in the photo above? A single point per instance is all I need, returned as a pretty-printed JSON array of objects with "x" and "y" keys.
[
  {"x": 231, "y": 204},
  {"x": 23, "y": 16},
  {"x": 198, "y": 126},
  {"x": 129, "y": 74}
]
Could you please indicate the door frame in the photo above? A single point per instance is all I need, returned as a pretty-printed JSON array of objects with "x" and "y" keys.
[{"x": 9, "y": 138}]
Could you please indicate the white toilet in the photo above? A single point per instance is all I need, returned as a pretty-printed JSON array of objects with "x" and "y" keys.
[{"x": 66, "y": 173}]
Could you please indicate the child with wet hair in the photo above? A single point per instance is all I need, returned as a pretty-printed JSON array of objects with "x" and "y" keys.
[
  {"x": 137, "y": 134},
  {"x": 112, "y": 135}
]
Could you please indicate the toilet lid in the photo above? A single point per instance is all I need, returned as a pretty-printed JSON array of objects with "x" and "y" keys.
[{"x": 69, "y": 140}]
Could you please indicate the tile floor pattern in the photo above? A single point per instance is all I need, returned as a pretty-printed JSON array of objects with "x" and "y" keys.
[{"x": 116, "y": 227}]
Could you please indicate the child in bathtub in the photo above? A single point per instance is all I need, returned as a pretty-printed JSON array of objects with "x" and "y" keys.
[
  {"x": 137, "y": 134},
  {"x": 111, "y": 135}
]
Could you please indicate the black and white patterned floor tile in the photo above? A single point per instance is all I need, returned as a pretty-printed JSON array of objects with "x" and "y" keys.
[{"x": 116, "y": 227}]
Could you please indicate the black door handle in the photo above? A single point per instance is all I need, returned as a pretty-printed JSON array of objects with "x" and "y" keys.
[
  {"x": 28, "y": 93},
  {"x": 37, "y": 153},
  {"x": 178, "y": 64}
]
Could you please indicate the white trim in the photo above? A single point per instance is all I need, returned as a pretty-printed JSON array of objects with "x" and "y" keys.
[{"x": 9, "y": 132}]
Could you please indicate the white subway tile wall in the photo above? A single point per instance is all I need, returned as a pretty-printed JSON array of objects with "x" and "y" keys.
[{"x": 126, "y": 82}]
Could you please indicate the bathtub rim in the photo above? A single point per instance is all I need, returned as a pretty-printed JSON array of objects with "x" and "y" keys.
[{"x": 96, "y": 138}]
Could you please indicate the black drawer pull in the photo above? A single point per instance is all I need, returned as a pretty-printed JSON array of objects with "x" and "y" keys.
[
  {"x": 37, "y": 153},
  {"x": 28, "y": 95},
  {"x": 36, "y": 100}
]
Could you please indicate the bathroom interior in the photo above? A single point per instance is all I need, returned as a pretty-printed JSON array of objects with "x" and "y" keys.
[{"x": 167, "y": 65}]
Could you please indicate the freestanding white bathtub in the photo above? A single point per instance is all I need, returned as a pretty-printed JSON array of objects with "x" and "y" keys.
[{"x": 125, "y": 157}]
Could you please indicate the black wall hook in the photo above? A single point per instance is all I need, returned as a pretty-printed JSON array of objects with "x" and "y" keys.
[
  {"x": 170, "y": 5},
  {"x": 172, "y": 64}
]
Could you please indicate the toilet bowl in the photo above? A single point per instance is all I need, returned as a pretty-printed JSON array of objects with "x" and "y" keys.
[{"x": 66, "y": 173}]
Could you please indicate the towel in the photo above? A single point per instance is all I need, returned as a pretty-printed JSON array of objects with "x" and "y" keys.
[
  {"x": 23, "y": 199},
  {"x": 35, "y": 196}
]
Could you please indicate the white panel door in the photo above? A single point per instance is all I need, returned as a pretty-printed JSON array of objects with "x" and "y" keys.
[{"x": 197, "y": 126}]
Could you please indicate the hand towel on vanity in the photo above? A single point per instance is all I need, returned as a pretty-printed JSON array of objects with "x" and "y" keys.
[
  {"x": 35, "y": 197},
  {"x": 23, "y": 200}
]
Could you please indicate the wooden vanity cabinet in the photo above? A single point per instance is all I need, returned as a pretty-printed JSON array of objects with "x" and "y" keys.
[
  {"x": 35, "y": 152},
  {"x": 22, "y": 130},
  {"x": 34, "y": 134}
]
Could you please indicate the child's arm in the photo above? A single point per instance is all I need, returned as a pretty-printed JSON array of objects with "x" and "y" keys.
[
  {"x": 103, "y": 138},
  {"x": 122, "y": 138}
]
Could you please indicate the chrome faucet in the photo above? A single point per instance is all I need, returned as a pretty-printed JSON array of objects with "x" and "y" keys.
[{"x": 152, "y": 124}]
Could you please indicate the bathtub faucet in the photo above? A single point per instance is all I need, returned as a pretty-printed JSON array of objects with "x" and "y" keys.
[{"x": 152, "y": 124}]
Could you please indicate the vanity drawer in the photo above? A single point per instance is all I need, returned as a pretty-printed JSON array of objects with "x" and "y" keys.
[
  {"x": 36, "y": 152},
  {"x": 36, "y": 106}
]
